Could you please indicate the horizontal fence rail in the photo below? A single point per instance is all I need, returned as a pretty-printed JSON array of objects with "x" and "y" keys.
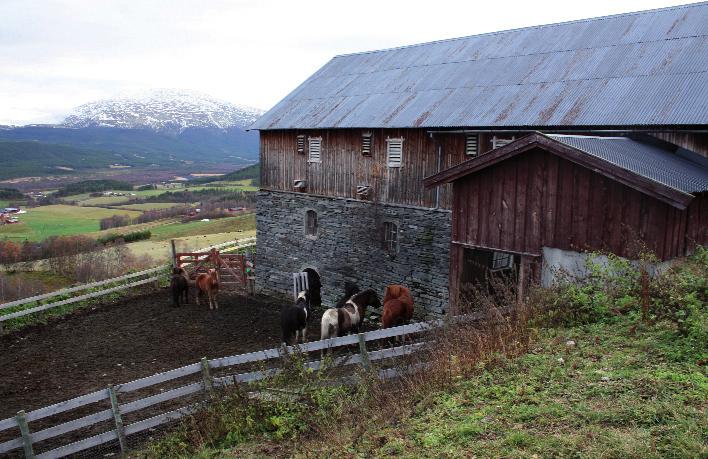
[
  {"x": 205, "y": 386},
  {"x": 151, "y": 275}
]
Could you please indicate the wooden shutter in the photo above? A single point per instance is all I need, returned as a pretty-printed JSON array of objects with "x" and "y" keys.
[
  {"x": 366, "y": 143},
  {"x": 301, "y": 144},
  {"x": 315, "y": 148},
  {"x": 471, "y": 144},
  {"x": 395, "y": 152}
]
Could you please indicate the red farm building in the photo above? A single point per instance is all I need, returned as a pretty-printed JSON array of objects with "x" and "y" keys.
[{"x": 539, "y": 201}]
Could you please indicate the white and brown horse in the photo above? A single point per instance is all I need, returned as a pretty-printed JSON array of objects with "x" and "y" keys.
[
  {"x": 208, "y": 283},
  {"x": 348, "y": 318}
]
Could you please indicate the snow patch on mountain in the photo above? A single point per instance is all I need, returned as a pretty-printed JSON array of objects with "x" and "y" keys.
[{"x": 163, "y": 110}]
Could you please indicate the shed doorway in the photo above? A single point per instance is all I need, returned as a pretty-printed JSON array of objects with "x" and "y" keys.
[
  {"x": 315, "y": 286},
  {"x": 487, "y": 270}
]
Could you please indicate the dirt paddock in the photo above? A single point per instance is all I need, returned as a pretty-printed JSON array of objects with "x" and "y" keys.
[{"x": 121, "y": 341}]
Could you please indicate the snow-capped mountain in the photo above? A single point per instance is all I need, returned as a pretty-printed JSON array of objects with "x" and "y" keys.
[{"x": 163, "y": 110}]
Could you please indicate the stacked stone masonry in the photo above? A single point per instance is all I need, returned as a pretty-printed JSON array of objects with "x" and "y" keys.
[{"x": 349, "y": 247}]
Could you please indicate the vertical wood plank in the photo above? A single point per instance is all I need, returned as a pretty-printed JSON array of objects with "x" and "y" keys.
[{"x": 118, "y": 419}]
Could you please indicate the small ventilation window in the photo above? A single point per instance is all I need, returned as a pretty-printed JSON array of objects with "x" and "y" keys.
[
  {"x": 471, "y": 144},
  {"x": 394, "y": 152},
  {"x": 301, "y": 144},
  {"x": 502, "y": 260},
  {"x": 500, "y": 141},
  {"x": 311, "y": 223},
  {"x": 315, "y": 148},
  {"x": 366, "y": 143},
  {"x": 390, "y": 238}
]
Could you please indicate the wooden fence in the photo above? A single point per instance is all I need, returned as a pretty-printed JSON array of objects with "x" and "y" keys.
[
  {"x": 115, "y": 410},
  {"x": 104, "y": 287}
]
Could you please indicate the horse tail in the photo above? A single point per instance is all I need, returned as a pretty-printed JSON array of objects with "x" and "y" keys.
[{"x": 327, "y": 329}]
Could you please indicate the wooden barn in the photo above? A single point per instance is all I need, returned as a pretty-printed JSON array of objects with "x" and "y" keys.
[
  {"x": 344, "y": 156},
  {"x": 536, "y": 202}
]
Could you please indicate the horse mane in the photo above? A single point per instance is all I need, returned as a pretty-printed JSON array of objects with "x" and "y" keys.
[{"x": 366, "y": 292}]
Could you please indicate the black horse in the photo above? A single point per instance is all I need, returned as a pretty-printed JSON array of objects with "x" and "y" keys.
[
  {"x": 179, "y": 285},
  {"x": 293, "y": 319}
]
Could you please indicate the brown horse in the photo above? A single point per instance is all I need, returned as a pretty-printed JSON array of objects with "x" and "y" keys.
[
  {"x": 208, "y": 283},
  {"x": 398, "y": 306}
]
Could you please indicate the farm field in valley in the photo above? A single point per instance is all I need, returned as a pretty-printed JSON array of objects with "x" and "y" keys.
[
  {"x": 149, "y": 206},
  {"x": 59, "y": 220}
]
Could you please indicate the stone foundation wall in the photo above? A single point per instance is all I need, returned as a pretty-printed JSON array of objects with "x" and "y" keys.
[{"x": 349, "y": 247}]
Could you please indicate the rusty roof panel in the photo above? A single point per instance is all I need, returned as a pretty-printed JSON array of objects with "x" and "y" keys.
[{"x": 645, "y": 68}]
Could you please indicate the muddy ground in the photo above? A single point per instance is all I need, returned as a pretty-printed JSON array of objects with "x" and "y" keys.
[{"x": 121, "y": 341}]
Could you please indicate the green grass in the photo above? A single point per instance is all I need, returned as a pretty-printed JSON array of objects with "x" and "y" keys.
[
  {"x": 85, "y": 200},
  {"x": 614, "y": 394},
  {"x": 194, "y": 228},
  {"x": 58, "y": 220},
  {"x": 150, "y": 205}
]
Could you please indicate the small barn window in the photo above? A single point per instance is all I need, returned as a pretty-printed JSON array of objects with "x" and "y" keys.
[
  {"x": 502, "y": 260},
  {"x": 500, "y": 141},
  {"x": 311, "y": 223},
  {"x": 366, "y": 143},
  {"x": 471, "y": 144},
  {"x": 390, "y": 239},
  {"x": 301, "y": 144},
  {"x": 315, "y": 148},
  {"x": 394, "y": 152}
]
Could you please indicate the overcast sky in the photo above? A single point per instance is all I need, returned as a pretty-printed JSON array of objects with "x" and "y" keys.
[{"x": 57, "y": 54}]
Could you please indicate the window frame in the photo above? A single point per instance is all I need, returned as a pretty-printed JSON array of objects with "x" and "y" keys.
[
  {"x": 500, "y": 141},
  {"x": 392, "y": 141},
  {"x": 310, "y": 141},
  {"x": 501, "y": 261},
  {"x": 300, "y": 144}
]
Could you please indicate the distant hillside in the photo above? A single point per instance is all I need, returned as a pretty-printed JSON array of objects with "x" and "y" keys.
[
  {"x": 37, "y": 158},
  {"x": 250, "y": 172},
  {"x": 39, "y": 150}
]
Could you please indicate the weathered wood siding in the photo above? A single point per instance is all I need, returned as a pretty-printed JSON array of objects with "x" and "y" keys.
[
  {"x": 538, "y": 199},
  {"x": 343, "y": 166},
  {"x": 691, "y": 141}
]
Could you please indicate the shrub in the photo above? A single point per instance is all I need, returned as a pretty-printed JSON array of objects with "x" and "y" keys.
[{"x": 129, "y": 237}]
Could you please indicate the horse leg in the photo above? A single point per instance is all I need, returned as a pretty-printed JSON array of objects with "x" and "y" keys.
[{"x": 303, "y": 333}]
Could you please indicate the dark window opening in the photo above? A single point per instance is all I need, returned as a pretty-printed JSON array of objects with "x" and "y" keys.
[
  {"x": 390, "y": 239},
  {"x": 311, "y": 223},
  {"x": 314, "y": 286}
]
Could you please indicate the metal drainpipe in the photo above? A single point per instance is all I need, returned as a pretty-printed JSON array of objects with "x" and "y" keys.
[{"x": 437, "y": 188}]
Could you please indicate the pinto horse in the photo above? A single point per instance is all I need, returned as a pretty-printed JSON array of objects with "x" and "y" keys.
[
  {"x": 208, "y": 283},
  {"x": 348, "y": 318},
  {"x": 293, "y": 319},
  {"x": 398, "y": 306},
  {"x": 179, "y": 285}
]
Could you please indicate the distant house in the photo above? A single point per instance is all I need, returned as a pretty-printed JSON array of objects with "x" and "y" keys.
[
  {"x": 11, "y": 210},
  {"x": 344, "y": 156}
]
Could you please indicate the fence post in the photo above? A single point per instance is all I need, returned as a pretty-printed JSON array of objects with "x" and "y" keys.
[
  {"x": 26, "y": 437},
  {"x": 364, "y": 353},
  {"x": 206, "y": 376},
  {"x": 120, "y": 430},
  {"x": 174, "y": 253}
]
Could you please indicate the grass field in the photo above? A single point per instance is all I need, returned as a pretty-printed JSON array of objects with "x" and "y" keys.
[
  {"x": 150, "y": 205},
  {"x": 59, "y": 220},
  {"x": 198, "y": 228},
  {"x": 160, "y": 250},
  {"x": 85, "y": 200}
]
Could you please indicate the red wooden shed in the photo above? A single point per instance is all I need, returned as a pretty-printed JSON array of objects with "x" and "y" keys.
[{"x": 573, "y": 193}]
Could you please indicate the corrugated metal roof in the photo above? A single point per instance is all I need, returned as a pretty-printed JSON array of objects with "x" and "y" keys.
[
  {"x": 686, "y": 174},
  {"x": 645, "y": 68}
]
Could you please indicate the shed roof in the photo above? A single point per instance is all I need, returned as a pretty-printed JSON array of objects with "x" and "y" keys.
[
  {"x": 646, "y": 68},
  {"x": 648, "y": 168}
]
